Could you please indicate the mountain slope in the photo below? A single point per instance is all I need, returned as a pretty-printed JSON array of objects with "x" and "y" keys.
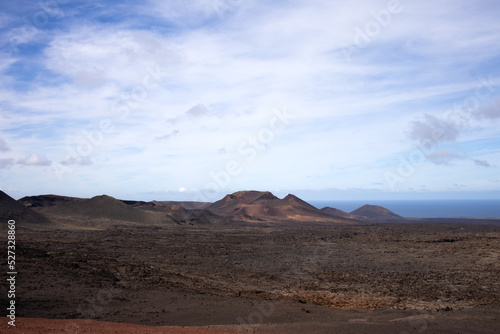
[
  {"x": 297, "y": 202},
  {"x": 375, "y": 212},
  {"x": 237, "y": 201},
  {"x": 338, "y": 213},
  {"x": 110, "y": 208},
  {"x": 154, "y": 204},
  {"x": 12, "y": 209},
  {"x": 259, "y": 206},
  {"x": 182, "y": 216},
  {"x": 96, "y": 207},
  {"x": 46, "y": 200}
]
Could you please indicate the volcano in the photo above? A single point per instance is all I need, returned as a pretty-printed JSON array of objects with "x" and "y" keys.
[{"x": 263, "y": 206}]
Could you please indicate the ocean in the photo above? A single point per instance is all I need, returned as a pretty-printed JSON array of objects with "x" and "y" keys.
[{"x": 424, "y": 208}]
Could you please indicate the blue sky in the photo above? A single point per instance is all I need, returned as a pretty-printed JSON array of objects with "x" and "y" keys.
[{"x": 195, "y": 99}]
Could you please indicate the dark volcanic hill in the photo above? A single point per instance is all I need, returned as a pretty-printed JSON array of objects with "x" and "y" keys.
[
  {"x": 298, "y": 203},
  {"x": 154, "y": 204},
  {"x": 179, "y": 212},
  {"x": 110, "y": 208},
  {"x": 185, "y": 204},
  {"x": 182, "y": 216},
  {"x": 96, "y": 207},
  {"x": 338, "y": 213},
  {"x": 12, "y": 209},
  {"x": 258, "y": 206},
  {"x": 375, "y": 212},
  {"x": 46, "y": 200},
  {"x": 241, "y": 200}
]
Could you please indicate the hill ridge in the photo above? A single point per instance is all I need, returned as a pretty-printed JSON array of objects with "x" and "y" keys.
[
  {"x": 375, "y": 212},
  {"x": 263, "y": 206},
  {"x": 10, "y": 209},
  {"x": 337, "y": 212}
]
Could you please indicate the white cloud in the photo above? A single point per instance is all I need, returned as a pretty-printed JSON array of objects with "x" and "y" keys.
[{"x": 35, "y": 160}]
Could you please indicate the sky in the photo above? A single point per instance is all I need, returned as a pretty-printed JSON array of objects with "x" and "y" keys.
[{"x": 191, "y": 100}]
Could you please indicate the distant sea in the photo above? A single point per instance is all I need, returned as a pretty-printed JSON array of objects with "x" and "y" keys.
[{"x": 424, "y": 208}]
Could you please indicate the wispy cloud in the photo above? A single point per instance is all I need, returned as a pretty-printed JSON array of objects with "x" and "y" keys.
[
  {"x": 182, "y": 84},
  {"x": 433, "y": 129},
  {"x": 482, "y": 163},
  {"x": 443, "y": 157},
  {"x": 6, "y": 163},
  {"x": 77, "y": 161},
  {"x": 490, "y": 111},
  {"x": 167, "y": 136}
]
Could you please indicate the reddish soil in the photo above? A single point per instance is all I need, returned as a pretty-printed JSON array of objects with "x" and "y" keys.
[{"x": 49, "y": 326}]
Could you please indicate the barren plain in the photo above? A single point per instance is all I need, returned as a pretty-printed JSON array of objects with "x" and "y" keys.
[{"x": 85, "y": 274}]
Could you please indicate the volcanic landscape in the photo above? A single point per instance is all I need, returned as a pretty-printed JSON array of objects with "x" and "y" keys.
[{"x": 248, "y": 263}]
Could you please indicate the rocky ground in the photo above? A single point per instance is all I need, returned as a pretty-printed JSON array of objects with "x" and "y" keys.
[{"x": 287, "y": 279}]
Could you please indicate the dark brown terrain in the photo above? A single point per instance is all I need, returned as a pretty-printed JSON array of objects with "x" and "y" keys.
[
  {"x": 238, "y": 266},
  {"x": 337, "y": 212},
  {"x": 366, "y": 213},
  {"x": 12, "y": 209}
]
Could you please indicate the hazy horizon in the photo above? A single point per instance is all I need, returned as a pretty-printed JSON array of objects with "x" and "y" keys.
[
  {"x": 193, "y": 100},
  {"x": 309, "y": 196},
  {"x": 410, "y": 208}
]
